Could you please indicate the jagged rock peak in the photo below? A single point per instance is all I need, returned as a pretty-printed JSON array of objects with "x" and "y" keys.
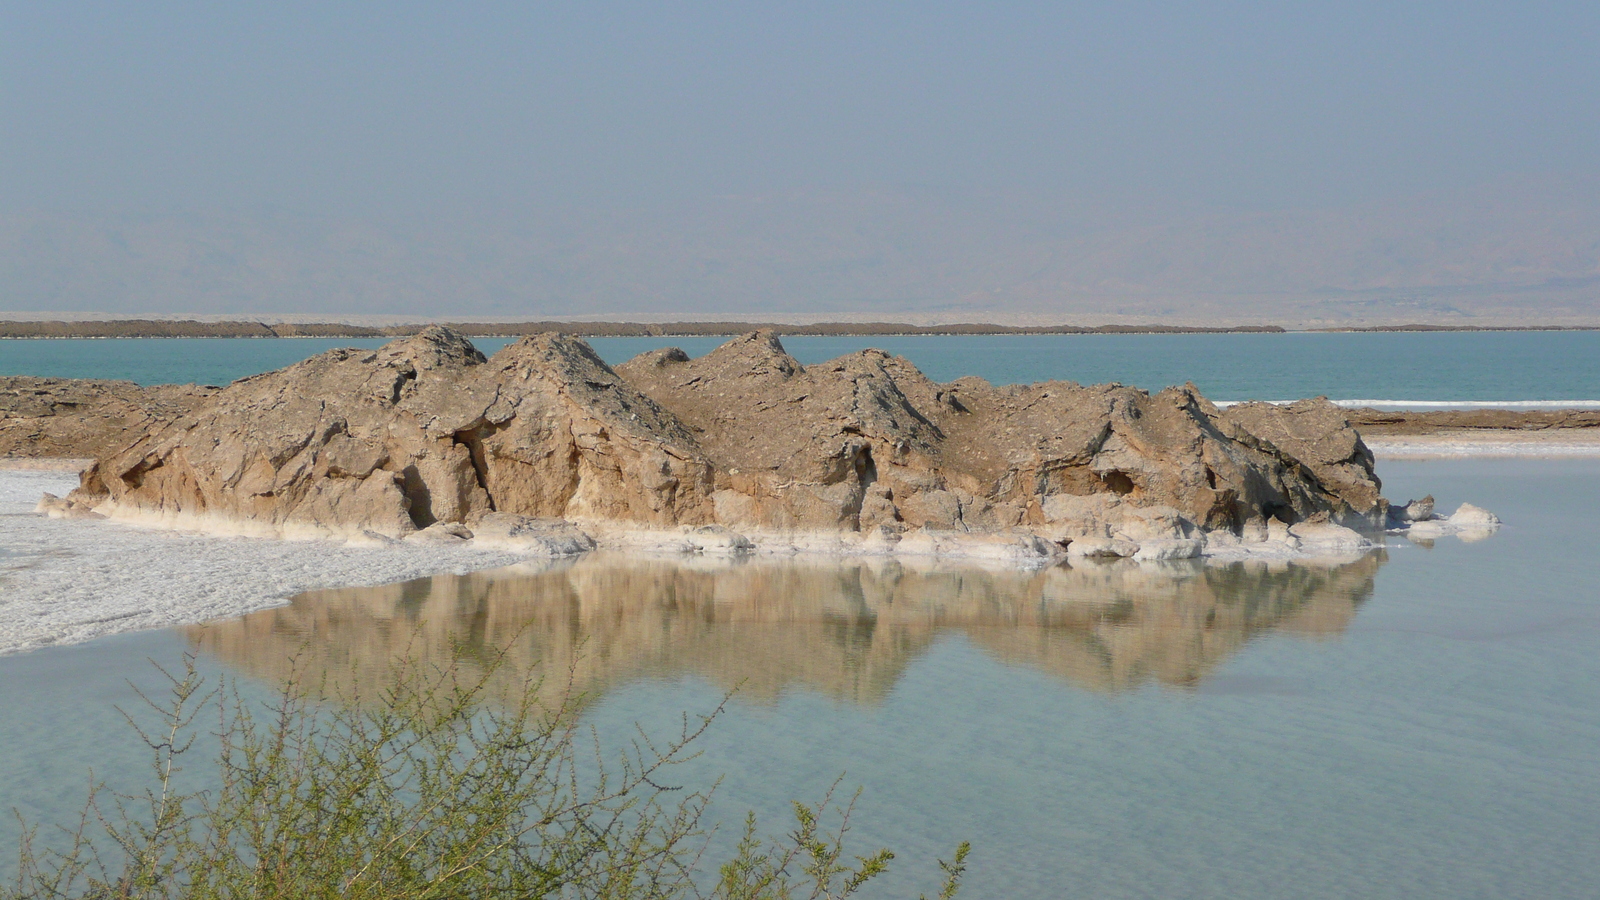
[
  {"x": 434, "y": 347},
  {"x": 422, "y": 431},
  {"x": 758, "y": 354},
  {"x": 552, "y": 354},
  {"x": 578, "y": 374}
]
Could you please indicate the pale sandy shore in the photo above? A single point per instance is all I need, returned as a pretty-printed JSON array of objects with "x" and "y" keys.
[{"x": 1489, "y": 444}]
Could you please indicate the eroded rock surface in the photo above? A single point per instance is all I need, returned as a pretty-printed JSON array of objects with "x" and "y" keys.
[
  {"x": 1319, "y": 435},
  {"x": 422, "y": 430},
  {"x": 426, "y": 430},
  {"x": 867, "y": 440},
  {"x": 74, "y": 418}
]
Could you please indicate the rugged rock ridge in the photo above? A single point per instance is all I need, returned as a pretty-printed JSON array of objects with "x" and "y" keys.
[
  {"x": 867, "y": 440},
  {"x": 1320, "y": 436},
  {"x": 424, "y": 430},
  {"x": 426, "y": 433}
]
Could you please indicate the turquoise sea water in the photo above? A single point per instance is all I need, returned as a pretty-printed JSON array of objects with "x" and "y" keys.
[
  {"x": 1420, "y": 723},
  {"x": 1449, "y": 366},
  {"x": 1424, "y": 723}
]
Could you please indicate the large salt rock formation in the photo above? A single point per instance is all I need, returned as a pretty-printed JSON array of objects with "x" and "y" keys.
[
  {"x": 1319, "y": 435},
  {"x": 426, "y": 431},
  {"x": 868, "y": 440},
  {"x": 423, "y": 430}
]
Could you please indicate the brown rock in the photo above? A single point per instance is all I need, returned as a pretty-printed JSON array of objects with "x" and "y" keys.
[
  {"x": 867, "y": 439},
  {"x": 58, "y": 508},
  {"x": 422, "y": 430},
  {"x": 1319, "y": 434},
  {"x": 798, "y": 447},
  {"x": 72, "y": 418},
  {"x": 426, "y": 430}
]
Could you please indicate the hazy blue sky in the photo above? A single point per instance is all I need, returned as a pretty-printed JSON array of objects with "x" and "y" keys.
[
  {"x": 409, "y": 110},
  {"x": 350, "y": 104}
]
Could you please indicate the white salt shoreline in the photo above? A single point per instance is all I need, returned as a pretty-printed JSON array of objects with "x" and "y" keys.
[
  {"x": 1489, "y": 444},
  {"x": 65, "y": 581}
]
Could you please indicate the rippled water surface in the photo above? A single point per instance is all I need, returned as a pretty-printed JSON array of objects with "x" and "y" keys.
[{"x": 1419, "y": 722}]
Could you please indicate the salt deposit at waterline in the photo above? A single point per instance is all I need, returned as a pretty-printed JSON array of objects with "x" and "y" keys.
[
  {"x": 70, "y": 580},
  {"x": 1487, "y": 445}
]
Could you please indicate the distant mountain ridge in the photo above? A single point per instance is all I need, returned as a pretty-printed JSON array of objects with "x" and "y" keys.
[{"x": 1510, "y": 253}]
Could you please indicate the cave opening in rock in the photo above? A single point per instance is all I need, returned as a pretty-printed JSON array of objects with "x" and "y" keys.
[
  {"x": 471, "y": 440},
  {"x": 1117, "y": 482},
  {"x": 419, "y": 500},
  {"x": 1283, "y": 512}
]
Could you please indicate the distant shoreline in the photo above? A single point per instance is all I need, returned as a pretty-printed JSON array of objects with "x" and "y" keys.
[{"x": 157, "y": 328}]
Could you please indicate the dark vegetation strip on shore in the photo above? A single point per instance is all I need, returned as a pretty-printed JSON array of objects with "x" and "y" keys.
[{"x": 143, "y": 328}]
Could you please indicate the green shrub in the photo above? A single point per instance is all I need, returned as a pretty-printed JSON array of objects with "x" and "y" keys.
[{"x": 425, "y": 791}]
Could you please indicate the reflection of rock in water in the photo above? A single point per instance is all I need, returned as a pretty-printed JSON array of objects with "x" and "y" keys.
[{"x": 844, "y": 629}]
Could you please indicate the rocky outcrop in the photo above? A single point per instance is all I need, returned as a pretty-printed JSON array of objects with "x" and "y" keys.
[
  {"x": 1420, "y": 523},
  {"x": 426, "y": 430},
  {"x": 423, "y": 430},
  {"x": 71, "y": 418},
  {"x": 867, "y": 441},
  {"x": 1319, "y": 435}
]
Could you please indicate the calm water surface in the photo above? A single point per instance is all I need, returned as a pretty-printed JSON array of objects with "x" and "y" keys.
[
  {"x": 1449, "y": 366},
  {"x": 1423, "y": 722}
]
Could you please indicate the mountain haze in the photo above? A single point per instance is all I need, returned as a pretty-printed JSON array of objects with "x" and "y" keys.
[{"x": 1514, "y": 252}]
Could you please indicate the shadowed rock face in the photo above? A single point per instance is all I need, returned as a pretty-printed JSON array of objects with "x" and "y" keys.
[
  {"x": 1319, "y": 435},
  {"x": 426, "y": 430},
  {"x": 848, "y": 631}
]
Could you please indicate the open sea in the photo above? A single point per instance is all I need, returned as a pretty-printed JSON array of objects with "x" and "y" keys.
[
  {"x": 1397, "y": 369},
  {"x": 1420, "y": 722}
]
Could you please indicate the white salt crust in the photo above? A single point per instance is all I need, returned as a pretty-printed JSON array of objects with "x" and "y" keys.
[
  {"x": 65, "y": 581},
  {"x": 69, "y": 580},
  {"x": 1488, "y": 445}
]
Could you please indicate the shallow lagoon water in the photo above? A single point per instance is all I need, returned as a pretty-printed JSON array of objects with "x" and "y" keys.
[
  {"x": 1437, "y": 366},
  {"x": 1421, "y": 724}
]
